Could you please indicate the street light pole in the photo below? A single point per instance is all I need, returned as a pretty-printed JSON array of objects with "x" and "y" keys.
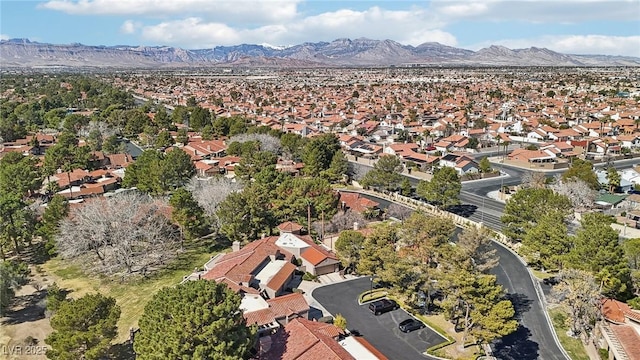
[{"x": 482, "y": 216}]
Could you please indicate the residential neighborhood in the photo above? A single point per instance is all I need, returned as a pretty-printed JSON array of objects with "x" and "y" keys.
[{"x": 273, "y": 183}]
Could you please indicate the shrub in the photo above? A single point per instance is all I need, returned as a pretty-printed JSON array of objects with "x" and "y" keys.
[
  {"x": 604, "y": 354},
  {"x": 309, "y": 277}
]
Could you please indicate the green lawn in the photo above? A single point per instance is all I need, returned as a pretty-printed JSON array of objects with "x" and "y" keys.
[
  {"x": 543, "y": 275},
  {"x": 573, "y": 346},
  {"x": 131, "y": 295}
]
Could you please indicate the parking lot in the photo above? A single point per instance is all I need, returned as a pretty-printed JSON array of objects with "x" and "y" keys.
[{"x": 382, "y": 330}]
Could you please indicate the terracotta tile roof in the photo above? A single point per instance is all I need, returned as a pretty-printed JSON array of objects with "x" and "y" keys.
[
  {"x": 260, "y": 317},
  {"x": 303, "y": 340},
  {"x": 617, "y": 311},
  {"x": 289, "y": 226},
  {"x": 238, "y": 288},
  {"x": 278, "y": 280},
  {"x": 313, "y": 256},
  {"x": 356, "y": 202},
  {"x": 629, "y": 339},
  {"x": 288, "y": 305},
  {"x": 119, "y": 160},
  {"x": 239, "y": 265}
]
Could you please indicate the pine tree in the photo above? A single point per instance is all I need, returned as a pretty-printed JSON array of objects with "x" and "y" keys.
[
  {"x": 443, "y": 189},
  {"x": 188, "y": 214},
  {"x": 194, "y": 320},
  {"x": 83, "y": 328}
]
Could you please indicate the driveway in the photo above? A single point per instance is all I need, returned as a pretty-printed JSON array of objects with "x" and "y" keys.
[{"x": 382, "y": 330}]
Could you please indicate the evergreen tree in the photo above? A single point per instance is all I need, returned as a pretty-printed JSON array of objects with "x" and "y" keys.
[
  {"x": 338, "y": 167},
  {"x": 385, "y": 174},
  {"x": 582, "y": 170},
  {"x": 613, "y": 178},
  {"x": 194, "y": 320},
  {"x": 19, "y": 174},
  {"x": 524, "y": 209},
  {"x": 83, "y": 328},
  {"x": 318, "y": 154},
  {"x": 348, "y": 246},
  {"x": 188, "y": 214},
  {"x": 484, "y": 165},
  {"x": 161, "y": 118},
  {"x": 596, "y": 249},
  {"x": 547, "y": 243},
  {"x": 443, "y": 189},
  {"x": 57, "y": 209}
]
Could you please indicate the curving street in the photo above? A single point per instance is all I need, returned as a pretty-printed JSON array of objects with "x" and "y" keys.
[{"x": 534, "y": 338}]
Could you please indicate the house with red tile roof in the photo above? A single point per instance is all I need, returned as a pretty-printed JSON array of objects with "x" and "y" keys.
[
  {"x": 620, "y": 330},
  {"x": 205, "y": 149},
  {"x": 304, "y": 340},
  {"x": 531, "y": 158},
  {"x": 270, "y": 314},
  {"x": 356, "y": 202}
]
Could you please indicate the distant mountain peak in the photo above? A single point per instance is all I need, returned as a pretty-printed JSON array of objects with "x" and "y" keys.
[{"x": 339, "y": 52}]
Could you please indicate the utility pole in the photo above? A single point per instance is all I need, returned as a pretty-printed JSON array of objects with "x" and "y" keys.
[
  {"x": 309, "y": 216},
  {"x": 322, "y": 228}
]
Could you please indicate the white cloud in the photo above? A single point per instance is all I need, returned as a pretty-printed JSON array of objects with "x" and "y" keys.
[
  {"x": 219, "y": 10},
  {"x": 129, "y": 27},
  {"x": 575, "y": 44},
  {"x": 464, "y": 9},
  {"x": 407, "y": 27},
  {"x": 4, "y": 37},
  {"x": 538, "y": 11}
]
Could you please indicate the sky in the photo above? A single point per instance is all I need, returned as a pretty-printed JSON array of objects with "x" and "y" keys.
[{"x": 609, "y": 27}]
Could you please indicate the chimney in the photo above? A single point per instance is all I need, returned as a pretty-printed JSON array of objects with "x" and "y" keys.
[
  {"x": 235, "y": 246},
  {"x": 356, "y": 226},
  {"x": 209, "y": 147}
]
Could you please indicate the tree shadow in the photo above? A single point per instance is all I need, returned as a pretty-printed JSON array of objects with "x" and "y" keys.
[
  {"x": 31, "y": 308},
  {"x": 122, "y": 351},
  {"x": 36, "y": 253},
  {"x": 516, "y": 346},
  {"x": 464, "y": 210},
  {"x": 314, "y": 313},
  {"x": 521, "y": 304}
]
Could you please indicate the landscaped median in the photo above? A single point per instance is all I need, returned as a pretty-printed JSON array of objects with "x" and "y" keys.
[
  {"x": 371, "y": 295},
  {"x": 437, "y": 323}
]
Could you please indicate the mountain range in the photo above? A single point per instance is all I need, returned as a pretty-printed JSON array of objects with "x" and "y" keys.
[{"x": 22, "y": 53}]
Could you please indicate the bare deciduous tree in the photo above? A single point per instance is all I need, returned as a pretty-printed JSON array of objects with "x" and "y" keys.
[
  {"x": 582, "y": 196},
  {"x": 211, "y": 192},
  {"x": 579, "y": 292},
  {"x": 536, "y": 180},
  {"x": 267, "y": 142},
  {"x": 125, "y": 234},
  {"x": 343, "y": 220},
  {"x": 475, "y": 242},
  {"x": 399, "y": 212},
  {"x": 102, "y": 127}
]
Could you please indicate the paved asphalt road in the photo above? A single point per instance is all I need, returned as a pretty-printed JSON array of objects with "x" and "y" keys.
[
  {"x": 533, "y": 339},
  {"x": 382, "y": 330}
]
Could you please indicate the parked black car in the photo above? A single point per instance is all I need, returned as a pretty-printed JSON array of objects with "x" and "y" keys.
[
  {"x": 382, "y": 306},
  {"x": 410, "y": 325}
]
